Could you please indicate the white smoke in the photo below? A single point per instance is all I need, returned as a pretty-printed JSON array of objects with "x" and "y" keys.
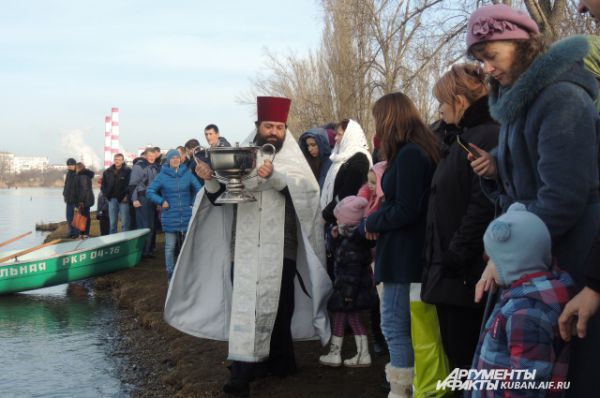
[{"x": 74, "y": 146}]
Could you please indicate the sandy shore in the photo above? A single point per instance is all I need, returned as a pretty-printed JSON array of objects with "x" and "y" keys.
[{"x": 163, "y": 362}]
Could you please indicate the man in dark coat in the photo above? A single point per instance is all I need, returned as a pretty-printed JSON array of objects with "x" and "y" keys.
[
  {"x": 115, "y": 181},
  {"x": 102, "y": 212},
  {"x": 70, "y": 195},
  {"x": 213, "y": 138},
  {"x": 85, "y": 195},
  {"x": 142, "y": 175}
]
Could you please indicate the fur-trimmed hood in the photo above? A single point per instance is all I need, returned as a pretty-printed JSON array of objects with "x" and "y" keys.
[{"x": 562, "y": 62}]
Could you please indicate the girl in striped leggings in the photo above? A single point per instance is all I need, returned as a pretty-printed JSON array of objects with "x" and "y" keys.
[{"x": 353, "y": 284}]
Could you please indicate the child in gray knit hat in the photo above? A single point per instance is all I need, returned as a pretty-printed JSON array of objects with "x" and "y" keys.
[{"x": 522, "y": 331}]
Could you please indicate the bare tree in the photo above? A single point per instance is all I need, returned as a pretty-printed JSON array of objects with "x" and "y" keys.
[
  {"x": 548, "y": 15},
  {"x": 556, "y": 18},
  {"x": 373, "y": 47},
  {"x": 369, "y": 48}
]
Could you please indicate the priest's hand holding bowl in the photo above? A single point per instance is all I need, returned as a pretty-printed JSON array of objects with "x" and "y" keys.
[
  {"x": 204, "y": 171},
  {"x": 266, "y": 170}
]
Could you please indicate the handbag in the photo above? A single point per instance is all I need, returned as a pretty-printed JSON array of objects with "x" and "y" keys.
[
  {"x": 438, "y": 289},
  {"x": 79, "y": 220}
]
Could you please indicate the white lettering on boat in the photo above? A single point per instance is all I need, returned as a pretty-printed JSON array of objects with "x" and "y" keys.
[
  {"x": 16, "y": 270},
  {"x": 5, "y": 272}
]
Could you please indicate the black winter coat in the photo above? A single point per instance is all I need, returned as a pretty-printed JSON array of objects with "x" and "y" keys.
[
  {"x": 352, "y": 275},
  {"x": 592, "y": 267},
  {"x": 458, "y": 213},
  {"x": 85, "y": 194},
  {"x": 348, "y": 180},
  {"x": 401, "y": 219},
  {"x": 115, "y": 183},
  {"x": 70, "y": 188}
]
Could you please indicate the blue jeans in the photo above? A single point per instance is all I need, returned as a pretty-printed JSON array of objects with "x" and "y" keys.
[
  {"x": 73, "y": 232},
  {"x": 114, "y": 209},
  {"x": 395, "y": 324},
  {"x": 144, "y": 218},
  {"x": 170, "y": 244}
]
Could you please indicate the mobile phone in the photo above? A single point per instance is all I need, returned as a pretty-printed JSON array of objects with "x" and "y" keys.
[{"x": 465, "y": 146}]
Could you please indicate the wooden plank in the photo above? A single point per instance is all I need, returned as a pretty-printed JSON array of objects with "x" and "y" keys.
[
  {"x": 16, "y": 238},
  {"x": 27, "y": 251}
]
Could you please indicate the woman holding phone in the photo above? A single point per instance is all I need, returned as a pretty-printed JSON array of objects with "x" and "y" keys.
[
  {"x": 547, "y": 154},
  {"x": 458, "y": 212}
]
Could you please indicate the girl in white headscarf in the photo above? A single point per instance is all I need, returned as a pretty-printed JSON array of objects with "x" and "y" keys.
[{"x": 350, "y": 164}]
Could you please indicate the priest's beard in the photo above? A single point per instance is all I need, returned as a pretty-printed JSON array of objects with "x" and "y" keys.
[{"x": 277, "y": 143}]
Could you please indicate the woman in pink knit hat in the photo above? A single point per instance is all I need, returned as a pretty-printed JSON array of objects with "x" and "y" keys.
[{"x": 543, "y": 99}]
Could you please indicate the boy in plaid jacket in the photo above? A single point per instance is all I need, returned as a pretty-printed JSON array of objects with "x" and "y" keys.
[{"x": 522, "y": 331}]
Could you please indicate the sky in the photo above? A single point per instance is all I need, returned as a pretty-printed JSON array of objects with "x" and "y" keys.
[{"x": 171, "y": 67}]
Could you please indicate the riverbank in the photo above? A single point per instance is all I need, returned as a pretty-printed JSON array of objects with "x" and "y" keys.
[{"x": 163, "y": 362}]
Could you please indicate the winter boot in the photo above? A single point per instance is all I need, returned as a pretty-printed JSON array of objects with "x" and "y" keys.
[
  {"x": 362, "y": 359},
  {"x": 401, "y": 380},
  {"x": 334, "y": 358}
]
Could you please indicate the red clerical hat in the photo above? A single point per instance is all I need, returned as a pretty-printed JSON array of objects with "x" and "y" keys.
[{"x": 272, "y": 109}]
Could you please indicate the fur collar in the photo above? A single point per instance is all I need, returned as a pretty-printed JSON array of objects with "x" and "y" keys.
[{"x": 511, "y": 102}]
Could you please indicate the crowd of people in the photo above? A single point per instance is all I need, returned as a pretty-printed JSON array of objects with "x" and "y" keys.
[
  {"x": 157, "y": 193},
  {"x": 498, "y": 203}
]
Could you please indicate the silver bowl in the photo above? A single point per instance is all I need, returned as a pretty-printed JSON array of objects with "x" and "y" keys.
[{"x": 232, "y": 165}]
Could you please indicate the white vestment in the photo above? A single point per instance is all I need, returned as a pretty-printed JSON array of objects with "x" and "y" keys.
[{"x": 201, "y": 300}]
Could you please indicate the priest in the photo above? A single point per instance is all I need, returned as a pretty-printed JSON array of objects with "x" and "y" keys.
[{"x": 254, "y": 273}]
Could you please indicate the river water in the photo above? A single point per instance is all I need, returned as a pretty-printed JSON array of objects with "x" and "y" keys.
[{"x": 54, "y": 342}]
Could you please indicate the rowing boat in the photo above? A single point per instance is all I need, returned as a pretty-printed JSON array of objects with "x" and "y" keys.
[{"x": 71, "y": 261}]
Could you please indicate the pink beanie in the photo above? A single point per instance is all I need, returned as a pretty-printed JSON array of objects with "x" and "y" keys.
[
  {"x": 499, "y": 22},
  {"x": 350, "y": 210}
]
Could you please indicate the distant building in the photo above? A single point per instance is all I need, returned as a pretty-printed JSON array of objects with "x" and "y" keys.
[
  {"x": 6, "y": 162},
  {"x": 28, "y": 163},
  {"x": 62, "y": 167}
]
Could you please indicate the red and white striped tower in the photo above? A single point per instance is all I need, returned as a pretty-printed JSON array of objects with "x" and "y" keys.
[
  {"x": 115, "y": 131},
  {"x": 107, "y": 142}
]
